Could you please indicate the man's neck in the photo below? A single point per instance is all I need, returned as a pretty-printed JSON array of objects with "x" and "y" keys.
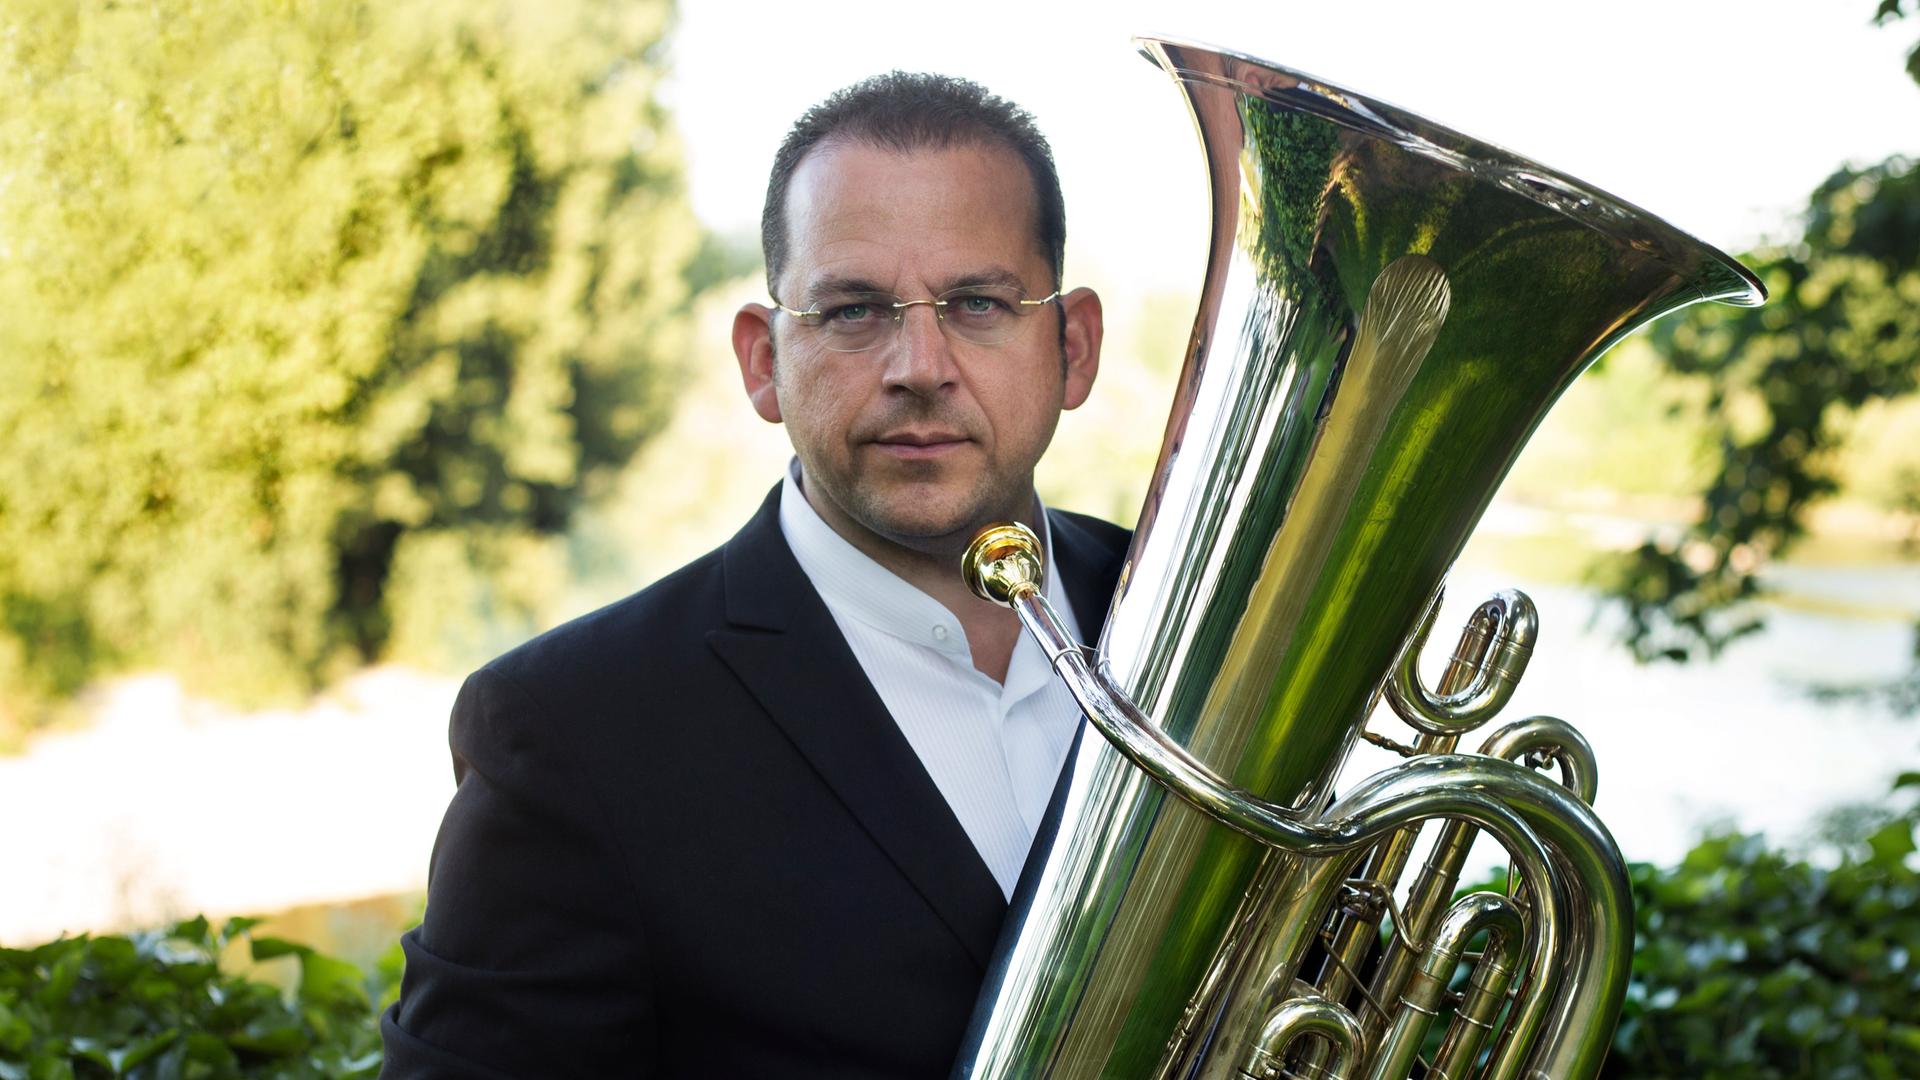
[{"x": 992, "y": 631}]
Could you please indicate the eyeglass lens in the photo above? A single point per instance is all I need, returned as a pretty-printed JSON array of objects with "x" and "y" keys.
[{"x": 855, "y": 322}]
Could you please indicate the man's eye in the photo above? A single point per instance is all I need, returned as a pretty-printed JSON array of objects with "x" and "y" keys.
[
  {"x": 976, "y": 305},
  {"x": 848, "y": 313}
]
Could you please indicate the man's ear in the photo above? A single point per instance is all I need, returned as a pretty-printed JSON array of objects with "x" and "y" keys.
[
  {"x": 753, "y": 347},
  {"x": 1081, "y": 310}
]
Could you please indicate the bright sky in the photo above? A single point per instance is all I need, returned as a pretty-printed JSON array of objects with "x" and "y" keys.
[{"x": 1717, "y": 114}]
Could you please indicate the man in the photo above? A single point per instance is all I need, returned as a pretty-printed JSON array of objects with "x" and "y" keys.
[{"x": 762, "y": 818}]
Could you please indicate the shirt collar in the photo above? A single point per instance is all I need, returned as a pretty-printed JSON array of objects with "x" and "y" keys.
[{"x": 855, "y": 586}]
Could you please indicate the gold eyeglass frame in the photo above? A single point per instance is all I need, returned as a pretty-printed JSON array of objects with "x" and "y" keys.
[{"x": 896, "y": 309}]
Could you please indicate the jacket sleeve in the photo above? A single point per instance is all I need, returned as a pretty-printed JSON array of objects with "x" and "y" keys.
[{"x": 529, "y": 960}]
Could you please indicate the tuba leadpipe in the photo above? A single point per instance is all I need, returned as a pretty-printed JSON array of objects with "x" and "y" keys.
[{"x": 1389, "y": 309}]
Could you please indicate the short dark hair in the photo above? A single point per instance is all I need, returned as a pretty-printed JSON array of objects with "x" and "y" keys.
[{"x": 904, "y": 111}]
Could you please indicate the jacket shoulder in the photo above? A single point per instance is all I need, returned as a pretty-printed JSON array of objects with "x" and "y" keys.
[
  {"x": 652, "y": 630},
  {"x": 1105, "y": 534}
]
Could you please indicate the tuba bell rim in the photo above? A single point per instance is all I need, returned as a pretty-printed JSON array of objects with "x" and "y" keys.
[{"x": 1714, "y": 275}]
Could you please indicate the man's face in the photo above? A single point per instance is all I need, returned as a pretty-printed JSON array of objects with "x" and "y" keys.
[{"x": 924, "y": 438}]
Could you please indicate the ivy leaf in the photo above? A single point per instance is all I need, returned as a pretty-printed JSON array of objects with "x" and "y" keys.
[
  {"x": 142, "y": 1050},
  {"x": 1892, "y": 843},
  {"x": 49, "y": 1066},
  {"x": 15, "y": 1033},
  {"x": 330, "y": 983},
  {"x": 62, "y": 976},
  {"x": 270, "y": 948},
  {"x": 275, "y": 1035},
  {"x": 195, "y": 930},
  {"x": 237, "y": 926}
]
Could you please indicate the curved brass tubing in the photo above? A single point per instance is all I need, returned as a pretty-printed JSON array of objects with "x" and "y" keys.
[
  {"x": 1509, "y": 625},
  {"x": 1357, "y": 932},
  {"x": 1440, "y": 875},
  {"x": 1421, "y": 1002},
  {"x": 1554, "y": 738},
  {"x": 1308, "y": 1015},
  {"x": 1580, "y": 945}
]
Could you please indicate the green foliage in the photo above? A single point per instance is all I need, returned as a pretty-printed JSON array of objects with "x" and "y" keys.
[
  {"x": 320, "y": 321},
  {"x": 1900, "y": 9},
  {"x": 157, "y": 1004},
  {"x": 1750, "y": 964},
  {"x": 1841, "y": 330}
]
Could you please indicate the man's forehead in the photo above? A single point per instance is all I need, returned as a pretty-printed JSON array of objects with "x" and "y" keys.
[
  {"x": 972, "y": 198},
  {"x": 840, "y": 168}
]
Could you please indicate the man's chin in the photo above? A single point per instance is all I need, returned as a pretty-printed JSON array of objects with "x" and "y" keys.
[
  {"x": 936, "y": 519},
  {"x": 929, "y": 535},
  {"x": 930, "y": 528}
]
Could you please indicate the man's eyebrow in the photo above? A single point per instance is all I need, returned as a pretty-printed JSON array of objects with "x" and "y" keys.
[
  {"x": 991, "y": 275},
  {"x": 833, "y": 285}
]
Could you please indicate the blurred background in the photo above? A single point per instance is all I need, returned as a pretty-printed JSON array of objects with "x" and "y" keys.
[{"x": 346, "y": 345}]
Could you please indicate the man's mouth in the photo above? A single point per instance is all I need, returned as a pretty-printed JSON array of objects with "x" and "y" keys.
[{"x": 917, "y": 445}]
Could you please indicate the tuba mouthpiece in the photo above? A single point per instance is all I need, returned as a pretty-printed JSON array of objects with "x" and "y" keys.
[{"x": 1003, "y": 561}]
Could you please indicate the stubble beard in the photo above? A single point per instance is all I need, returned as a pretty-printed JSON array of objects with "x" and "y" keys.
[
  {"x": 897, "y": 513},
  {"x": 913, "y": 504}
]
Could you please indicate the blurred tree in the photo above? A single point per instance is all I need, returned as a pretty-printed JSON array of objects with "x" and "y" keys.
[
  {"x": 1842, "y": 329},
  {"x": 319, "y": 320}
]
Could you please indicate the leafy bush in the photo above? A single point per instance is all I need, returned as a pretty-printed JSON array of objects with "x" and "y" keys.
[
  {"x": 1750, "y": 964},
  {"x": 157, "y": 1004}
]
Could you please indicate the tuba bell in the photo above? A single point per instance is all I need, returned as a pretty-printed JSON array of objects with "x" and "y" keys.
[{"x": 1389, "y": 310}]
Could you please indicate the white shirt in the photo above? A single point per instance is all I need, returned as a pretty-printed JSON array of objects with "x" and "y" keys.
[{"x": 993, "y": 750}]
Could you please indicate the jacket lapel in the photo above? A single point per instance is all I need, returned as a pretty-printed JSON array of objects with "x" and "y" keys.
[
  {"x": 1089, "y": 568},
  {"x": 785, "y": 647}
]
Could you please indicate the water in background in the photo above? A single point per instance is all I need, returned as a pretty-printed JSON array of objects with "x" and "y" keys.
[{"x": 169, "y": 806}]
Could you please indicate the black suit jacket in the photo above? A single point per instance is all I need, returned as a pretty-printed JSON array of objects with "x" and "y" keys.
[{"x": 688, "y": 840}]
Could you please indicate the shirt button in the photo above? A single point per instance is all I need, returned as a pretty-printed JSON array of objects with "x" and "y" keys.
[{"x": 939, "y": 633}]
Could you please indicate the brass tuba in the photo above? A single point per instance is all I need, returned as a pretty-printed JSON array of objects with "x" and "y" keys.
[{"x": 1389, "y": 310}]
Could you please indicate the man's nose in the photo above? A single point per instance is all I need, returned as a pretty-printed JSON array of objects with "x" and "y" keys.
[{"x": 921, "y": 359}]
